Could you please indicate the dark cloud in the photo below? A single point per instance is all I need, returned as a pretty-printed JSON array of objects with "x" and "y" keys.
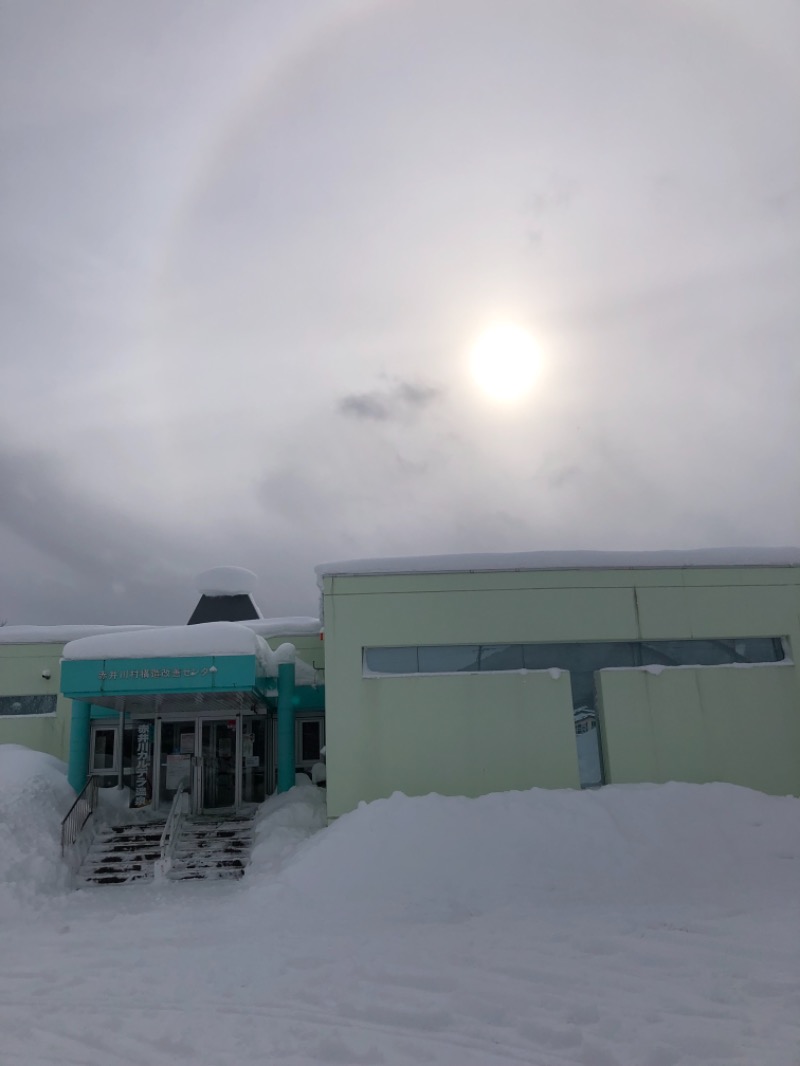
[
  {"x": 397, "y": 402},
  {"x": 368, "y": 405}
]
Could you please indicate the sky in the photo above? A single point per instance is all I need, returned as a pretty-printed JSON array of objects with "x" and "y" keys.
[{"x": 246, "y": 247}]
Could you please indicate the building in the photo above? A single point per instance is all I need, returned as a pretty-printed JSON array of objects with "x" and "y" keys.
[{"x": 454, "y": 674}]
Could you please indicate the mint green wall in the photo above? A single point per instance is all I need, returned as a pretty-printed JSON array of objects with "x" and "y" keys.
[
  {"x": 723, "y": 723},
  {"x": 363, "y": 714},
  {"x": 21, "y": 667},
  {"x": 458, "y": 734}
]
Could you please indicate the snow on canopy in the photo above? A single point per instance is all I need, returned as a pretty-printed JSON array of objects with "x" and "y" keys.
[
  {"x": 210, "y": 638},
  {"x": 297, "y": 626},
  {"x": 226, "y": 581},
  {"x": 563, "y": 560},
  {"x": 176, "y": 642}
]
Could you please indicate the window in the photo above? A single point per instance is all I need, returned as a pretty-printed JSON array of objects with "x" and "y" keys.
[
  {"x": 448, "y": 658},
  {"x": 27, "y": 705},
  {"x": 579, "y": 658},
  {"x": 391, "y": 661},
  {"x": 502, "y": 657}
]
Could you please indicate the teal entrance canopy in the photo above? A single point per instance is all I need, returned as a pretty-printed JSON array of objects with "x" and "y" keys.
[{"x": 160, "y": 684}]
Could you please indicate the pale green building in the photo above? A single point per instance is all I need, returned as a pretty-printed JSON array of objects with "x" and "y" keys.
[
  {"x": 453, "y": 674},
  {"x": 472, "y": 674}
]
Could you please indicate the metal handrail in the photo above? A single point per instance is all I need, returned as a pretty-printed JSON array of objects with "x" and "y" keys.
[
  {"x": 169, "y": 836},
  {"x": 78, "y": 814}
]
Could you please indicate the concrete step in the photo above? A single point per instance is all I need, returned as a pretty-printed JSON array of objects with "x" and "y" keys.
[{"x": 208, "y": 848}]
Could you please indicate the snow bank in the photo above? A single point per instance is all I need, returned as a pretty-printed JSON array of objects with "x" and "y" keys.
[
  {"x": 285, "y": 821},
  {"x": 34, "y": 797},
  {"x": 436, "y": 858},
  {"x": 563, "y": 560}
]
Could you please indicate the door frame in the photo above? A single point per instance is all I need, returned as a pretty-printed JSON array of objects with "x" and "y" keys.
[{"x": 197, "y": 798}]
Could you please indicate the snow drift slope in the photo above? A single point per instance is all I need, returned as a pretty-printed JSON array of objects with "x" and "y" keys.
[
  {"x": 34, "y": 797},
  {"x": 435, "y": 857},
  {"x": 653, "y": 925}
]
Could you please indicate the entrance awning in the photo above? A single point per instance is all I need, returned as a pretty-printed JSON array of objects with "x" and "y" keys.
[{"x": 220, "y": 665}]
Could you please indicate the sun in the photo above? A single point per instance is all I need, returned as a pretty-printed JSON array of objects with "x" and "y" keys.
[{"x": 505, "y": 361}]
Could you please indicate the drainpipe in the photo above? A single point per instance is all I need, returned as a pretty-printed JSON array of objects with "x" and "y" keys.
[
  {"x": 286, "y": 762},
  {"x": 78, "y": 769}
]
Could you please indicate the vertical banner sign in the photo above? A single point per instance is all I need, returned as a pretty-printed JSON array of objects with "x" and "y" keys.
[{"x": 143, "y": 765}]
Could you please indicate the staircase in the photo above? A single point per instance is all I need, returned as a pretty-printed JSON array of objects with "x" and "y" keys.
[
  {"x": 122, "y": 854},
  {"x": 208, "y": 847},
  {"x": 213, "y": 847}
]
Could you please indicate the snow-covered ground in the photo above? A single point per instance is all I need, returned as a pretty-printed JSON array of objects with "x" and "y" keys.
[{"x": 631, "y": 926}]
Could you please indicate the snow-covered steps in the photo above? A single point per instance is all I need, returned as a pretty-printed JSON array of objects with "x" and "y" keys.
[
  {"x": 122, "y": 854},
  {"x": 213, "y": 848}
]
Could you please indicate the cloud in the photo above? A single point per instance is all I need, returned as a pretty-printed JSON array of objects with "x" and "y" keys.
[{"x": 396, "y": 403}]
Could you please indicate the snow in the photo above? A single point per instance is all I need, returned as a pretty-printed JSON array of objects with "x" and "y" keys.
[
  {"x": 58, "y": 634},
  {"x": 209, "y": 638},
  {"x": 294, "y": 626},
  {"x": 290, "y": 626},
  {"x": 34, "y": 797},
  {"x": 648, "y": 925},
  {"x": 563, "y": 560},
  {"x": 226, "y": 581}
]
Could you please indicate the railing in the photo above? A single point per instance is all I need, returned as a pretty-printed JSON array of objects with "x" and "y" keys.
[
  {"x": 169, "y": 837},
  {"x": 78, "y": 814}
]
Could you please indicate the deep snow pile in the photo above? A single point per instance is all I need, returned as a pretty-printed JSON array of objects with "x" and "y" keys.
[
  {"x": 441, "y": 857},
  {"x": 34, "y": 797},
  {"x": 647, "y": 925}
]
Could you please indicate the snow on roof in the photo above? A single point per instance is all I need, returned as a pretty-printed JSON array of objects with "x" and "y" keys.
[
  {"x": 297, "y": 626},
  {"x": 562, "y": 560},
  {"x": 291, "y": 626},
  {"x": 58, "y": 634},
  {"x": 226, "y": 581},
  {"x": 209, "y": 638}
]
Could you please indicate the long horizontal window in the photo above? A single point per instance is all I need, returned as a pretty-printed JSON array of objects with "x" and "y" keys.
[
  {"x": 584, "y": 657},
  {"x": 25, "y": 705}
]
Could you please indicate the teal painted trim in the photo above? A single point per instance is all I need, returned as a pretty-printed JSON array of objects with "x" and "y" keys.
[
  {"x": 78, "y": 767},
  {"x": 102, "y": 712},
  {"x": 285, "y": 726},
  {"x": 309, "y": 698},
  {"x": 85, "y": 678},
  {"x": 306, "y": 697}
]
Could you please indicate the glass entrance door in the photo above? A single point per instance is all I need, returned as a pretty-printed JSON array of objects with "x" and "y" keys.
[
  {"x": 203, "y": 754},
  {"x": 176, "y": 759},
  {"x": 219, "y": 762}
]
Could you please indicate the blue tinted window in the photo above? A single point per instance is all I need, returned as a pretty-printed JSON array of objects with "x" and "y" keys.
[
  {"x": 502, "y": 657},
  {"x": 581, "y": 659},
  {"x": 448, "y": 658},
  {"x": 391, "y": 660}
]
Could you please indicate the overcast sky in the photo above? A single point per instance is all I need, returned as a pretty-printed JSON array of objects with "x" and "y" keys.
[{"x": 245, "y": 247}]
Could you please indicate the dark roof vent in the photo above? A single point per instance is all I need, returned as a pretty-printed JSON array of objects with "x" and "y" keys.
[{"x": 225, "y": 596}]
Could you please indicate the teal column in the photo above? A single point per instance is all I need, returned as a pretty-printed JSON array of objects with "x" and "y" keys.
[
  {"x": 78, "y": 769},
  {"x": 285, "y": 726}
]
